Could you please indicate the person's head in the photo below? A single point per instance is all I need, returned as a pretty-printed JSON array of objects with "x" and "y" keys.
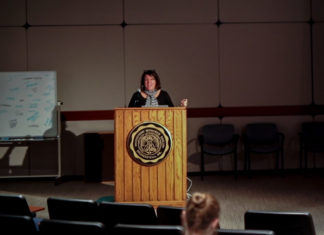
[
  {"x": 150, "y": 81},
  {"x": 201, "y": 215}
]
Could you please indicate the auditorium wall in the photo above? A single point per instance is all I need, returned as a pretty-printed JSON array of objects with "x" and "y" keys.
[{"x": 216, "y": 53}]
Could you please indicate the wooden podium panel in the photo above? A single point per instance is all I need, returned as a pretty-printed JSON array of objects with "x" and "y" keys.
[{"x": 164, "y": 183}]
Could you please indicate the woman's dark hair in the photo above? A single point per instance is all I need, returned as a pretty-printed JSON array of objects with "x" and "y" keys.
[{"x": 150, "y": 72}]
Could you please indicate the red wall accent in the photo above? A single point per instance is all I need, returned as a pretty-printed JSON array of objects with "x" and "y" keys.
[{"x": 293, "y": 110}]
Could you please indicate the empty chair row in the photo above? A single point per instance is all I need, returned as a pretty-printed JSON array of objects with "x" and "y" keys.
[
  {"x": 256, "y": 223},
  {"x": 258, "y": 138},
  {"x": 16, "y": 225},
  {"x": 19, "y": 224},
  {"x": 121, "y": 229},
  {"x": 111, "y": 214}
]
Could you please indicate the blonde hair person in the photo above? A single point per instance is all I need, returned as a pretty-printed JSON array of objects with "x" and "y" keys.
[{"x": 201, "y": 215}]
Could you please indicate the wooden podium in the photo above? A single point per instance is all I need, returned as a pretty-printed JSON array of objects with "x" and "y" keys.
[{"x": 162, "y": 183}]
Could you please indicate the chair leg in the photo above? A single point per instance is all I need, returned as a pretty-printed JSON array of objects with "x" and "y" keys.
[
  {"x": 314, "y": 160},
  {"x": 235, "y": 164},
  {"x": 249, "y": 165},
  {"x": 202, "y": 166},
  {"x": 301, "y": 158},
  {"x": 277, "y": 160},
  {"x": 282, "y": 160},
  {"x": 249, "y": 161},
  {"x": 245, "y": 160}
]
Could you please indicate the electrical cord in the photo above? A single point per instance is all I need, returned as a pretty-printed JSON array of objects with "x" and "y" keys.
[{"x": 189, "y": 187}]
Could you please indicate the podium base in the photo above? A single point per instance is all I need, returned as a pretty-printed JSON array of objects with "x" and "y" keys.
[{"x": 155, "y": 204}]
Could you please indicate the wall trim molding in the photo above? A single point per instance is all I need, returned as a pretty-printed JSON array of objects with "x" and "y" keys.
[{"x": 207, "y": 112}]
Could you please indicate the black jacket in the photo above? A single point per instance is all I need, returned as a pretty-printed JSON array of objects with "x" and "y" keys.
[{"x": 138, "y": 100}]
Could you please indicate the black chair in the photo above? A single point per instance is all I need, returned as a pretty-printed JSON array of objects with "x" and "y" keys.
[
  {"x": 71, "y": 227},
  {"x": 263, "y": 138},
  {"x": 72, "y": 209},
  {"x": 113, "y": 213},
  {"x": 217, "y": 140},
  {"x": 244, "y": 232},
  {"x": 282, "y": 223},
  {"x": 17, "y": 224},
  {"x": 148, "y": 229},
  {"x": 169, "y": 215},
  {"x": 15, "y": 205},
  {"x": 311, "y": 140}
]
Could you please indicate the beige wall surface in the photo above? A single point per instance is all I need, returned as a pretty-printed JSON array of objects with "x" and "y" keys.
[
  {"x": 269, "y": 65},
  {"x": 88, "y": 61},
  {"x": 13, "y": 49},
  {"x": 74, "y": 12},
  {"x": 179, "y": 55},
  {"x": 264, "y": 10},
  {"x": 12, "y": 13},
  {"x": 170, "y": 12},
  {"x": 318, "y": 39},
  {"x": 231, "y": 53}
]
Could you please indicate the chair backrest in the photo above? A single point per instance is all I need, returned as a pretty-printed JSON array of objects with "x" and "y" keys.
[
  {"x": 244, "y": 232},
  {"x": 148, "y": 229},
  {"x": 217, "y": 133},
  {"x": 169, "y": 215},
  {"x": 113, "y": 213},
  {"x": 14, "y": 205},
  {"x": 261, "y": 132},
  {"x": 282, "y": 223},
  {"x": 17, "y": 224},
  {"x": 313, "y": 133},
  {"x": 72, "y": 209},
  {"x": 71, "y": 227}
]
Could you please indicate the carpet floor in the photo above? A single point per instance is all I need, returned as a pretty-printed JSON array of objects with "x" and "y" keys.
[{"x": 293, "y": 192}]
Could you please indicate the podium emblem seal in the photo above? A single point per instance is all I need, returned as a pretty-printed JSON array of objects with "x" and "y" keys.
[{"x": 149, "y": 143}]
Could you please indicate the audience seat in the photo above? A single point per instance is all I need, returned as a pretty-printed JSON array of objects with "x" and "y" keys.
[
  {"x": 57, "y": 227},
  {"x": 263, "y": 138},
  {"x": 17, "y": 224},
  {"x": 244, "y": 232},
  {"x": 14, "y": 205},
  {"x": 169, "y": 215},
  {"x": 121, "y": 229},
  {"x": 72, "y": 209},
  {"x": 282, "y": 223},
  {"x": 311, "y": 141},
  {"x": 113, "y": 213},
  {"x": 217, "y": 140}
]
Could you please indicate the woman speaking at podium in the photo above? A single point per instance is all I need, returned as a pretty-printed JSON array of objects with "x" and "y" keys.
[{"x": 151, "y": 94}]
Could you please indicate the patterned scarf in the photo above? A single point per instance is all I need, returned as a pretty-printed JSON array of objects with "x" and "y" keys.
[{"x": 151, "y": 101}]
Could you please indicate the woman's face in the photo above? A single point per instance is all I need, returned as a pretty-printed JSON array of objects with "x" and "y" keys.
[{"x": 149, "y": 82}]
